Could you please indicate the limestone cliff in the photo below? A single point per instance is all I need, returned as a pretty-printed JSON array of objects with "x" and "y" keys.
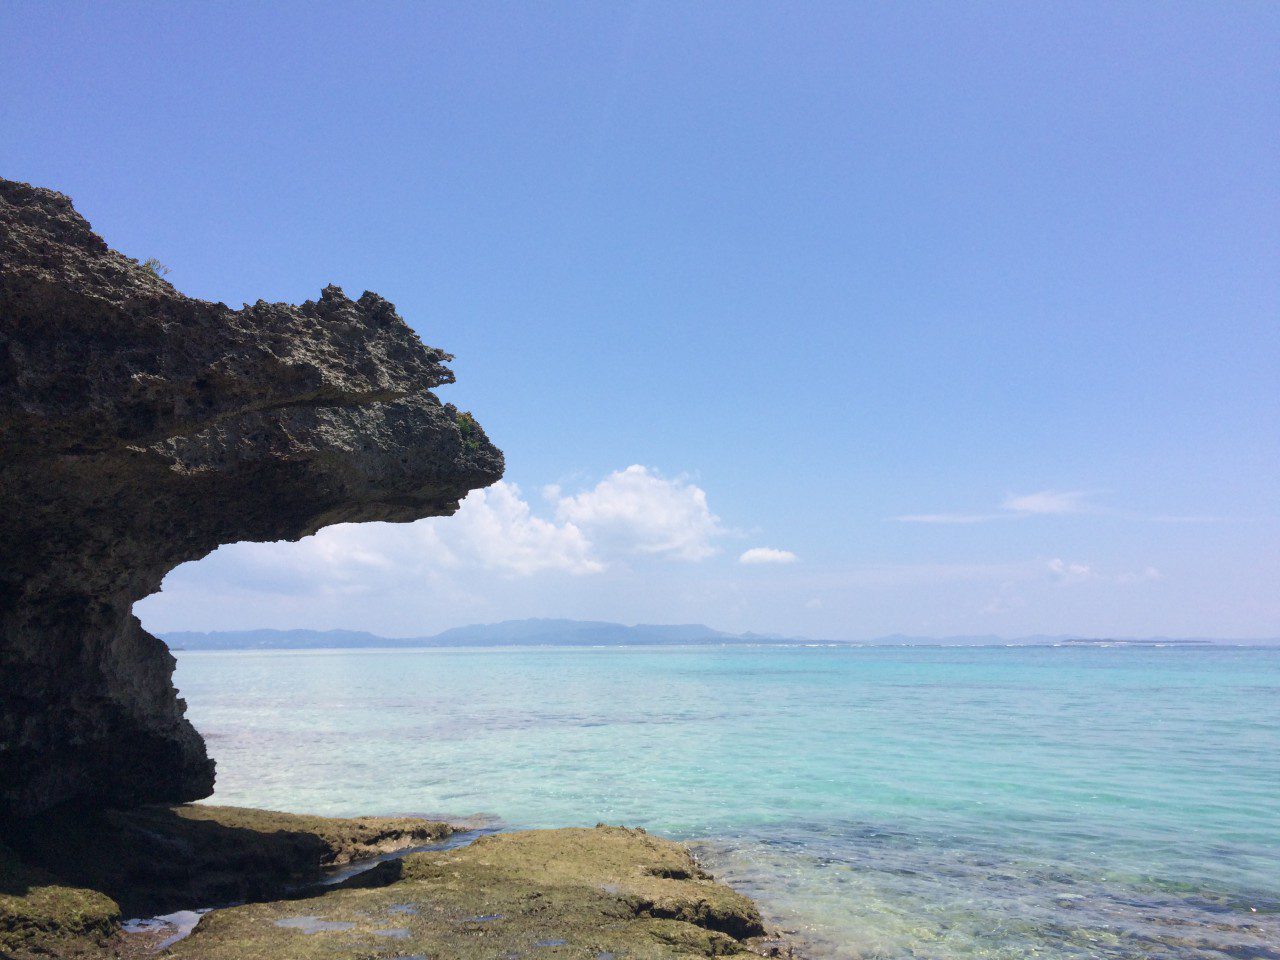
[{"x": 140, "y": 428}]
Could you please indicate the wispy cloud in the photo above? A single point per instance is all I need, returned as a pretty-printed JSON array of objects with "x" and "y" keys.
[
  {"x": 1069, "y": 572},
  {"x": 1147, "y": 575},
  {"x": 1051, "y": 503},
  {"x": 767, "y": 555},
  {"x": 1195, "y": 518},
  {"x": 1047, "y": 502},
  {"x": 1064, "y": 571},
  {"x": 1015, "y": 506},
  {"x": 949, "y": 517}
]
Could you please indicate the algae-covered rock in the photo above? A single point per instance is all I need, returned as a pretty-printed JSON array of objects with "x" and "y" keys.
[
  {"x": 43, "y": 917},
  {"x": 588, "y": 893},
  {"x": 157, "y": 859},
  {"x": 344, "y": 839},
  {"x": 69, "y": 876},
  {"x": 583, "y": 893}
]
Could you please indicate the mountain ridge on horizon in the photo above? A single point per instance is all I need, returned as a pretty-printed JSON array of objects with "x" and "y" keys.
[{"x": 565, "y": 632}]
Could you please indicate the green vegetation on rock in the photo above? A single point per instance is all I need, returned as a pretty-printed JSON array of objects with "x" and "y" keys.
[
  {"x": 40, "y": 917},
  {"x": 472, "y": 436},
  {"x": 585, "y": 893},
  {"x": 67, "y": 875},
  {"x": 549, "y": 893},
  {"x": 345, "y": 839}
]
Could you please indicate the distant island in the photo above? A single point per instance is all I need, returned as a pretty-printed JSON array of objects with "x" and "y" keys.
[
  {"x": 598, "y": 633},
  {"x": 537, "y": 632}
]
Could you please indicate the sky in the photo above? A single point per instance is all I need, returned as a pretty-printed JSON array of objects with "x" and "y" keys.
[{"x": 825, "y": 319}]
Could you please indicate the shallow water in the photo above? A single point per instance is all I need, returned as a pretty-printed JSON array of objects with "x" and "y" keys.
[
  {"x": 165, "y": 930},
  {"x": 885, "y": 802}
]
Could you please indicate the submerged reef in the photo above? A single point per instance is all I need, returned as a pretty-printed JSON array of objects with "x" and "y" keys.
[{"x": 141, "y": 428}]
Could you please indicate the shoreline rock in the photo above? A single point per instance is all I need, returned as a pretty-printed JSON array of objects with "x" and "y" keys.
[
  {"x": 574, "y": 892},
  {"x": 157, "y": 859},
  {"x": 141, "y": 428}
]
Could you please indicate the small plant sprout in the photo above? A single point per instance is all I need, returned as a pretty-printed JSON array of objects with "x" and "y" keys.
[{"x": 155, "y": 266}]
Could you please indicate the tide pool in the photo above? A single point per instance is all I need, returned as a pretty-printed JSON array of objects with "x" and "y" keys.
[{"x": 883, "y": 802}]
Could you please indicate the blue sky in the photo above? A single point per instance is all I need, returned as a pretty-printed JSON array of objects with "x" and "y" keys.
[{"x": 1007, "y": 270}]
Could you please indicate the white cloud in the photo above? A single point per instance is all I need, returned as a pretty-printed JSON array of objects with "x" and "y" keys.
[
  {"x": 767, "y": 555},
  {"x": 1147, "y": 575},
  {"x": 1069, "y": 572},
  {"x": 494, "y": 536},
  {"x": 638, "y": 511},
  {"x": 1041, "y": 503},
  {"x": 496, "y": 529},
  {"x": 1047, "y": 502},
  {"x": 632, "y": 511}
]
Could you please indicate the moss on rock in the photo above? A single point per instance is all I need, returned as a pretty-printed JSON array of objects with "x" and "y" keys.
[
  {"x": 587, "y": 893},
  {"x": 344, "y": 838},
  {"x": 157, "y": 859},
  {"x": 40, "y": 917},
  {"x": 583, "y": 893},
  {"x": 68, "y": 874}
]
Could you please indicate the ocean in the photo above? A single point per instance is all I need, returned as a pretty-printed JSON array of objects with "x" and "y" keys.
[{"x": 880, "y": 802}]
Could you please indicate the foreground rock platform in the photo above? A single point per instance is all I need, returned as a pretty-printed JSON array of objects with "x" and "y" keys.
[
  {"x": 141, "y": 428},
  {"x": 588, "y": 893},
  {"x": 600, "y": 893},
  {"x": 67, "y": 877}
]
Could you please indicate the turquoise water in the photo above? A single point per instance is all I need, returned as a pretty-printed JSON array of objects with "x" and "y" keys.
[{"x": 882, "y": 802}]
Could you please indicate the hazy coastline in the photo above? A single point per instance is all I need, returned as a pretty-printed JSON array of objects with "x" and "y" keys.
[{"x": 561, "y": 632}]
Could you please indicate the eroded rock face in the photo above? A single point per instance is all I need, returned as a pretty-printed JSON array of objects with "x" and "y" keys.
[{"x": 140, "y": 428}]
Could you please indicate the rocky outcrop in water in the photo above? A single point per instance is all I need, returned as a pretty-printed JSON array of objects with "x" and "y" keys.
[
  {"x": 140, "y": 428},
  {"x": 606, "y": 892}
]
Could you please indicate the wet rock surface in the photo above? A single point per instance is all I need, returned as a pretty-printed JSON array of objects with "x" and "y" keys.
[
  {"x": 69, "y": 876},
  {"x": 583, "y": 893},
  {"x": 157, "y": 859},
  {"x": 589, "y": 893},
  {"x": 140, "y": 428}
]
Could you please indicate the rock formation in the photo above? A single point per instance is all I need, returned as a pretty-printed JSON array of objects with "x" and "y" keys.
[
  {"x": 140, "y": 428},
  {"x": 604, "y": 892}
]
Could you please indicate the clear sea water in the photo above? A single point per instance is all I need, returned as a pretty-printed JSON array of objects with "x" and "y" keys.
[{"x": 881, "y": 802}]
